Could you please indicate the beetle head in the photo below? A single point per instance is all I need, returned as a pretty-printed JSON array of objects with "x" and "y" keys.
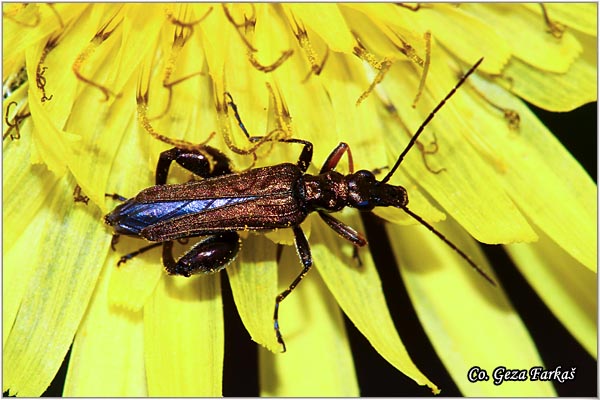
[{"x": 366, "y": 192}]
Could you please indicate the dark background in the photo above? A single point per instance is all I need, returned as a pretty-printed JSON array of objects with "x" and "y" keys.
[{"x": 577, "y": 130}]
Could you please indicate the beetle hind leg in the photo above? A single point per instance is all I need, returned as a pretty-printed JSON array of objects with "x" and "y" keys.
[
  {"x": 205, "y": 162},
  {"x": 210, "y": 255},
  {"x": 129, "y": 256}
]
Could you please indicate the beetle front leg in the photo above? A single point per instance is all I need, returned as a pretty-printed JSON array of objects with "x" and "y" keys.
[
  {"x": 211, "y": 254},
  {"x": 307, "y": 151},
  {"x": 345, "y": 231},
  {"x": 335, "y": 157},
  {"x": 303, "y": 250}
]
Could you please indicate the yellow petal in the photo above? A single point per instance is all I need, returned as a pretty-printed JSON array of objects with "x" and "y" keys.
[
  {"x": 25, "y": 187},
  {"x": 107, "y": 357},
  {"x": 184, "y": 338},
  {"x": 567, "y": 287},
  {"x": 60, "y": 86},
  {"x": 123, "y": 167},
  {"x": 16, "y": 273},
  {"x": 570, "y": 90},
  {"x": 54, "y": 146},
  {"x": 66, "y": 256},
  {"x": 140, "y": 22},
  {"x": 253, "y": 280},
  {"x": 579, "y": 16},
  {"x": 17, "y": 38},
  {"x": 313, "y": 329},
  {"x": 541, "y": 176},
  {"x": 132, "y": 283},
  {"x": 314, "y": 122},
  {"x": 101, "y": 130},
  {"x": 324, "y": 19},
  {"x": 470, "y": 322},
  {"x": 467, "y": 37},
  {"x": 353, "y": 124},
  {"x": 270, "y": 46},
  {"x": 528, "y": 36},
  {"x": 397, "y": 23},
  {"x": 214, "y": 51},
  {"x": 358, "y": 292}
]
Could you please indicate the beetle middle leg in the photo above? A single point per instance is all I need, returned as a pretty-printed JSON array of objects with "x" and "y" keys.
[{"x": 303, "y": 250}]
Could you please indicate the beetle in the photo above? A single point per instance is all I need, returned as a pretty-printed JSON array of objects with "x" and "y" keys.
[{"x": 260, "y": 199}]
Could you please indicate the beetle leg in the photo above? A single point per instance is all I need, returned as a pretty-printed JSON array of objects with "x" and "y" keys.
[
  {"x": 335, "y": 157},
  {"x": 303, "y": 250},
  {"x": 356, "y": 256},
  {"x": 279, "y": 252},
  {"x": 307, "y": 152},
  {"x": 345, "y": 231},
  {"x": 129, "y": 256},
  {"x": 205, "y": 162},
  {"x": 115, "y": 196},
  {"x": 306, "y": 155},
  {"x": 211, "y": 254},
  {"x": 114, "y": 240}
]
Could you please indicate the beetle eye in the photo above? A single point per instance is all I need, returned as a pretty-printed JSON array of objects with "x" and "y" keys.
[{"x": 364, "y": 176}]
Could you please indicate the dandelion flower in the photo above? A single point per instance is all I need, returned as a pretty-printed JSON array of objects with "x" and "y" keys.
[{"x": 89, "y": 88}]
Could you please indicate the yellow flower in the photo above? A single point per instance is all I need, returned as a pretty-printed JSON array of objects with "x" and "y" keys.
[{"x": 85, "y": 84}]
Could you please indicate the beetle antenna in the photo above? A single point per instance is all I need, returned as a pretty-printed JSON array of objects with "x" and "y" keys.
[
  {"x": 413, "y": 140},
  {"x": 449, "y": 243}
]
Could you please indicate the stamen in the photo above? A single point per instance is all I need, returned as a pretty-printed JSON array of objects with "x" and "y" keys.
[
  {"x": 57, "y": 15},
  {"x": 247, "y": 25},
  {"x": 142, "y": 110},
  {"x": 272, "y": 67},
  {"x": 188, "y": 25},
  {"x": 382, "y": 66},
  {"x": 12, "y": 14},
  {"x": 511, "y": 116},
  {"x": 311, "y": 55},
  {"x": 179, "y": 40},
  {"x": 424, "y": 152},
  {"x": 14, "y": 124},
  {"x": 427, "y": 37},
  {"x": 431, "y": 115},
  {"x": 555, "y": 28},
  {"x": 40, "y": 79},
  {"x": 281, "y": 132},
  {"x": 78, "y": 197},
  {"x": 101, "y": 36},
  {"x": 405, "y": 47},
  {"x": 416, "y": 7}
]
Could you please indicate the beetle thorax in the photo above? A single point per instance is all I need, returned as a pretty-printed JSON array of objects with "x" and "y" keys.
[{"x": 327, "y": 191}]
